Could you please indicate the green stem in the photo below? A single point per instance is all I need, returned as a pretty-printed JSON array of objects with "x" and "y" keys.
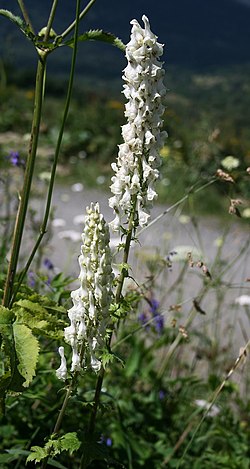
[
  {"x": 25, "y": 14},
  {"x": 238, "y": 361},
  {"x": 174, "y": 345},
  {"x": 176, "y": 204},
  {"x": 24, "y": 198},
  {"x": 60, "y": 416},
  {"x": 43, "y": 227},
  {"x": 50, "y": 20},
  {"x": 82, "y": 14}
]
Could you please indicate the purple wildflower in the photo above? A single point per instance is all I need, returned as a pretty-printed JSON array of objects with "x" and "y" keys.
[
  {"x": 31, "y": 279},
  {"x": 15, "y": 159},
  {"x": 106, "y": 440},
  {"x": 48, "y": 264},
  {"x": 159, "y": 323},
  {"x": 109, "y": 442},
  {"x": 161, "y": 394},
  {"x": 143, "y": 318},
  {"x": 154, "y": 305},
  {"x": 158, "y": 320}
]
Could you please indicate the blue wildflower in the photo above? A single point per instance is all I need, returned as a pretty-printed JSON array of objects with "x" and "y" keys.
[
  {"x": 158, "y": 320},
  {"x": 143, "y": 318},
  {"x": 162, "y": 394},
  {"x": 48, "y": 264},
  {"x": 106, "y": 440},
  {"x": 15, "y": 159},
  {"x": 31, "y": 279},
  {"x": 159, "y": 323},
  {"x": 109, "y": 442},
  {"x": 154, "y": 305}
]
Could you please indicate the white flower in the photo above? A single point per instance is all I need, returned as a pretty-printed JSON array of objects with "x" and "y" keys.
[
  {"x": 89, "y": 315},
  {"x": 69, "y": 234},
  {"x": 77, "y": 187},
  {"x": 138, "y": 158},
  {"x": 213, "y": 411},
  {"x": 61, "y": 372},
  {"x": 230, "y": 162},
  {"x": 58, "y": 222},
  {"x": 243, "y": 300}
]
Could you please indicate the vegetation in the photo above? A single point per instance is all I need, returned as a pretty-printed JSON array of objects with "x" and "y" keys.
[
  {"x": 206, "y": 119},
  {"x": 156, "y": 377}
]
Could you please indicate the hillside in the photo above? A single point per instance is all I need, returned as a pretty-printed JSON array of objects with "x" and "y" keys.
[{"x": 198, "y": 34}]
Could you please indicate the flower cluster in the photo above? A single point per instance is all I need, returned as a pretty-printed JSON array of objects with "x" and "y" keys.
[
  {"x": 89, "y": 315},
  {"x": 153, "y": 317},
  {"x": 138, "y": 158}
]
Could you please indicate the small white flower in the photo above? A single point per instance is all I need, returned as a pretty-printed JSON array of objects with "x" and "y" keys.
[
  {"x": 77, "y": 187},
  {"x": 243, "y": 300},
  {"x": 58, "y": 222},
  {"x": 205, "y": 405},
  {"x": 230, "y": 162},
  {"x": 246, "y": 212},
  {"x": 69, "y": 234},
  {"x": 61, "y": 372}
]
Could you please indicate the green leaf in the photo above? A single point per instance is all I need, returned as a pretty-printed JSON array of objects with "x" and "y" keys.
[
  {"x": 70, "y": 442},
  {"x": 109, "y": 357},
  {"x": 132, "y": 363},
  {"x": 16, "y": 452},
  {"x": 36, "y": 308},
  {"x": 7, "y": 458},
  {"x": 37, "y": 454},
  {"x": 15, "y": 19},
  {"x": 98, "y": 35},
  {"x": 27, "y": 350},
  {"x": 6, "y": 315},
  {"x": 11, "y": 379},
  {"x": 24, "y": 28},
  {"x": 38, "y": 318}
]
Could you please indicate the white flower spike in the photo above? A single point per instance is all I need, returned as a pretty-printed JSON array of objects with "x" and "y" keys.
[
  {"x": 89, "y": 315},
  {"x": 136, "y": 169}
]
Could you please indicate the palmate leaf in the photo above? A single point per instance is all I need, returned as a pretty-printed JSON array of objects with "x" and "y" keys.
[{"x": 98, "y": 35}]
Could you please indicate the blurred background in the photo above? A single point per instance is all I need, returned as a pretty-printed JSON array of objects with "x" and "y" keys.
[{"x": 207, "y": 63}]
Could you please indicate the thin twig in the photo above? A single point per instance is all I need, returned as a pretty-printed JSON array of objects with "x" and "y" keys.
[
  {"x": 25, "y": 14},
  {"x": 82, "y": 14},
  {"x": 176, "y": 204},
  {"x": 241, "y": 358},
  {"x": 50, "y": 20}
]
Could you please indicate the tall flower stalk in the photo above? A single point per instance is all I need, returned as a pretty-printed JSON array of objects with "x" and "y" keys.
[
  {"x": 89, "y": 315},
  {"x": 136, "y": 169}
]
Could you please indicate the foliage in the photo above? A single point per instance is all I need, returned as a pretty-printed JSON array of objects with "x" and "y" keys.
[
  {"x": 141, "y": 401},
  {"x": 199, "y": 136}
]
